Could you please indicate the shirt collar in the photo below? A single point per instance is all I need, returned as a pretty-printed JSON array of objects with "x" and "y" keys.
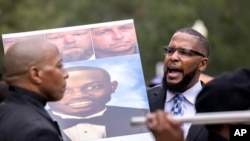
[
  {"x": 190, "y": 94},
  {"x": 28, "y": 96}
]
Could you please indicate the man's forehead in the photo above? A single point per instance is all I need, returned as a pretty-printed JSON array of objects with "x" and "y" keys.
[
  {"x": 88, "y": 72},
  {"x": 83, "y": 77},
  {"x": 182, "y": 40},
  {"x": 68, "y": 32}
]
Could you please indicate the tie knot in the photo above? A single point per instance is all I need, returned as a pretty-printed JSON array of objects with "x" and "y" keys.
[{"x": 178, "y": 98}]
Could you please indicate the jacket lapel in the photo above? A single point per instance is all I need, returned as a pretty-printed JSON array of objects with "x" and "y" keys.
[
  {"x": 156, "y": 98},
  {"x": 197, "y": 132}
]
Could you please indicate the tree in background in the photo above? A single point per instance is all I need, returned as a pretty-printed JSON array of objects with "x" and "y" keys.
[{"x": 226, "y": 20}]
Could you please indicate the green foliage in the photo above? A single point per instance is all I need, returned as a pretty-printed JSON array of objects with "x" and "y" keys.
[{"x": 227, "y": 22}]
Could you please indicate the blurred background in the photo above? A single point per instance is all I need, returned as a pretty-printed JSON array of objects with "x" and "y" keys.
[{"x": 224, "y": 22}]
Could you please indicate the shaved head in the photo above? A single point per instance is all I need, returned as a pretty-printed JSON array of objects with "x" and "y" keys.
[{"x": 24, "y": 54}]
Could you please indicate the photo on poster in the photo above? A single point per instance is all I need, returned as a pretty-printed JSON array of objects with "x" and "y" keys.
[
  {"x": 74, "y": 45},
  {"x": 114, "y": 40},
  {"x": 106, "y": 86}
]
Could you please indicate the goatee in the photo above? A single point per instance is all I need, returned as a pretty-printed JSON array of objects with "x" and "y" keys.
[{"x": 182, "y": 85}]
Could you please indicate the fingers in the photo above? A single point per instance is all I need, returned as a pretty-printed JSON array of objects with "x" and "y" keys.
[
  {"x": 164, "y": 127},
  {"x": 160, "y": 119}
]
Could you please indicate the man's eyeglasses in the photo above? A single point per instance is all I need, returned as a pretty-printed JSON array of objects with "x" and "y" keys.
[{"x": 181, "y": 52}]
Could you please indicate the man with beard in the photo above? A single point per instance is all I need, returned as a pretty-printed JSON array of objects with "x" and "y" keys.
[
  {"x": 114, "y": 40},
  {"x": 229, "y": 92},
  {"x": 74, "y": 45},
  {"x": 186, "y": 58},
  {"x": 83, "y": 113}
]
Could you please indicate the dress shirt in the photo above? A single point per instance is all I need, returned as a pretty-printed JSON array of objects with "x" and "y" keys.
[
  {"x": 187, "y": 105},
  {"x": 83, "y": 131}
]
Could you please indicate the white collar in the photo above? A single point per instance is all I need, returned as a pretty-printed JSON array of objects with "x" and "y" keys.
[{"x": 190, "y": 94}]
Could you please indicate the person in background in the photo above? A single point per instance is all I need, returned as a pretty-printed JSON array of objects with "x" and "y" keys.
[
  {"x": 206, "y": 78},
  {"x": 33, "y": 69},
  {"x": 114, "y": 40},
  {"x": 83, "y": 113},
  {"x": 186, "y": 57},
  {"x": 155, "y": 81},
  {"x": 74, "y": 45},
  {"x": 236, "y": 95}
]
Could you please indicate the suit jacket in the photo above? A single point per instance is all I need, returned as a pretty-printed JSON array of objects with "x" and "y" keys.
[
  {"x": 157, "y": 98},
  {"x": 115, "y": 120},
  {"x": 23, "y": 118},
  {"x": 3, "y": 90}
]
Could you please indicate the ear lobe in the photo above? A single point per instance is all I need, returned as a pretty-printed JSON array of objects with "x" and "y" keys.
[
  {"x": 114, "y": 85},
  {"x": 34, "y": 75},
  {"x": 203, "y": 64}
]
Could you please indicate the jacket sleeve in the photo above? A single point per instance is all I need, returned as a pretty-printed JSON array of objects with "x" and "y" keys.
[{"x": 41, "y": 134}]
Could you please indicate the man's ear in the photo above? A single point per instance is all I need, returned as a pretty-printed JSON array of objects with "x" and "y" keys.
[
  {"x": 114, "y": 85},
  {"x": 34, "y": 74},
  {"x": 203, "y": 64}
]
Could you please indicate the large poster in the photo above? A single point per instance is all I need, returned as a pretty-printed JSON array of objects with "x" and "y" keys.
[{"x": 106, "y": 85}]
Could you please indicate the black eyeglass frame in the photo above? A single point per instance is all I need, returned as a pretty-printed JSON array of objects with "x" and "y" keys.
[{"x": 165, "y": 48}]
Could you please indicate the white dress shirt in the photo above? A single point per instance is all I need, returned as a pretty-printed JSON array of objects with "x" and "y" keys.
[
  {"x": 84, "y": 131},
  {"x": 187, "y": 105}
]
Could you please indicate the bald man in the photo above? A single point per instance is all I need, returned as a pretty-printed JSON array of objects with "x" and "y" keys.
[{"x": 33, "y": 69}]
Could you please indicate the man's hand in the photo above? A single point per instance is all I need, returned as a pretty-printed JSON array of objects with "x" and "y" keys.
[{"x": 164, "y": 127}]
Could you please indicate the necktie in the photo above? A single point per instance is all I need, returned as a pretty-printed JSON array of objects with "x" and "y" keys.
[{"x": 177, "y": 109}]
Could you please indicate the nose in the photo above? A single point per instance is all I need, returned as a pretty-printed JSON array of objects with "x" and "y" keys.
[
  {"x": 116, "y": 34},
  {"x": 77, "y": 92},
  {"x": 69, "y": 38}
]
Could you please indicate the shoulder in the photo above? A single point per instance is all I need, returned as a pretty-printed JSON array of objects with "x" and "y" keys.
[
  {"x": 30, "y": 125},
  {"x": 16, "y": 115},
  {"x": 158, "y": 89},
  {"x": 21, "y": 115},
  {"x": 32, "y": 134}
]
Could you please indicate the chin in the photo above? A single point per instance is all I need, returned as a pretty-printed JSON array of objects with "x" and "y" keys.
[{"x": 58, "y": 98}]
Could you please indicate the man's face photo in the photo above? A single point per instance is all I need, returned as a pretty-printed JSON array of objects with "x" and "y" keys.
[
  {"x": 87, "y": 93},
  {"x": 7, "y": 42},
  {"x": 74, "y": 45},
  {"x": 114, "y": 40}
]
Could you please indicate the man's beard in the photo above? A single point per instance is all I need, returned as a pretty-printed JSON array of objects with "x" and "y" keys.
[
  {"x": 101, "y": 53},
  {"x": 78, "y": 55},
  {"x": 182, "y": 85}
]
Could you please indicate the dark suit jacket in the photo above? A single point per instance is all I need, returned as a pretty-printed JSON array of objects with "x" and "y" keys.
[
  {"x": 115, "y": 119},
  {"x": 157, "y": 98},
  {"x": 3, "y": 90},
  {"x": 23, "y": 118}
]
